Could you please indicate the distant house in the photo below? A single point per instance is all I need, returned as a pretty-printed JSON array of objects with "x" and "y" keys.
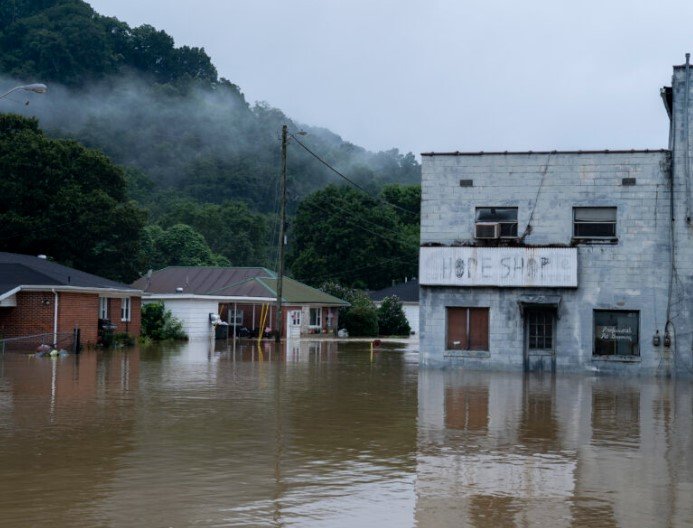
[
  {"x": 244, "y": 298},
  {"x": 408, "y": 293},
  {"x": 38, "y": 296}
]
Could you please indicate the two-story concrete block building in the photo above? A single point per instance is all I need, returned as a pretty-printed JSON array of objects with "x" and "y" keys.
[{"x": 562, "y": 260}]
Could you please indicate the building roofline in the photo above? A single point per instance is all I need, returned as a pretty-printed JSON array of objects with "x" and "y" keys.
[{"x": 546, "y": 152}]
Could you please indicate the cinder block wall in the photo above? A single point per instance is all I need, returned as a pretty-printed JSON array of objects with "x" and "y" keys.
[
  {"x": 629, "y": 275},
  {"x": 681, "y": 142}
]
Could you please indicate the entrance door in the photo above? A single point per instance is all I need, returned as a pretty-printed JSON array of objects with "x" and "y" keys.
[
  {"x": 540, "y": 338},
  {"x": 294, "y": 323}
]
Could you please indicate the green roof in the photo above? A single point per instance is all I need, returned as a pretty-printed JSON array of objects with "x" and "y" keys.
[{"x": 294, "y": 292}]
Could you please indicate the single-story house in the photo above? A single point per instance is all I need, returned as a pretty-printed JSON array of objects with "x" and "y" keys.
[
  {"x": 408, "y": 293},
  {"x": 38, "y": 296},
  {"x": 243, "y": 297}
]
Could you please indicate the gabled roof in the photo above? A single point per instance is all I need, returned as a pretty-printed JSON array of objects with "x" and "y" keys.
[
  {"x": 406, "y": 291},
  {"x": 251, "y": 282},
  {"x": 18, "y": 271}
]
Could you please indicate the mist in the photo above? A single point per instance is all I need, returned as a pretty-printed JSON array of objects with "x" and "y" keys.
[{"x": 204, "y": 141}]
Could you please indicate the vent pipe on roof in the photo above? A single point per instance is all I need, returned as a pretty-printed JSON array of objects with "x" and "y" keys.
[
  {"x": 42, "y": 256},
  {"x": 179, "y": 290}
]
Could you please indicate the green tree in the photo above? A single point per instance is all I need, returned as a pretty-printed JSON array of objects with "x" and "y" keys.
[
  {"x": 343, "y": 234},
  {"x": 179, "y": 245},
  {"x": 391, "y": 318},
  {"x": 64, "y": 200},
  {"x": 360, "y": 319},
  {"x": 231, "y": 229}
]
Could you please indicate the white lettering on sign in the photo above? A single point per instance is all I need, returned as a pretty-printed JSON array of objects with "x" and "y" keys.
[{"x": 510, "y": 267}]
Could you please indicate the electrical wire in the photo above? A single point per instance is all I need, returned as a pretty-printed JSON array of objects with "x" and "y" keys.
[{"x": 356, "y": 185}]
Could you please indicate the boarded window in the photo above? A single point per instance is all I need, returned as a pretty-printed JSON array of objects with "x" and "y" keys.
[
  {"x": 594, "y": 222},
  {"x": 616, "y": 333},
  {"x": 467, "y": 329},
  {"x": 505, "y": 216}
]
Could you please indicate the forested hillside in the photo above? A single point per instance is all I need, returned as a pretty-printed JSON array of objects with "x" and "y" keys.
[{"x": 195, "y": 152}]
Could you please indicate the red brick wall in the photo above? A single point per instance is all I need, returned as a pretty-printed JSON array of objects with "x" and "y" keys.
[
  {"x": 34, "y": 315},
  {"x": 82, "y": 310},
  {"x": 133, "y": 326}
]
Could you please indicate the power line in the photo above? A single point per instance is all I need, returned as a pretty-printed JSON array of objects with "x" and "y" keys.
[
  {"x": 362, "y": 189},
  {"x": 366, "y": 229}
]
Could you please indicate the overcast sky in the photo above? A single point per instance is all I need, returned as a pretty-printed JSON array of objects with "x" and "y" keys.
[{"x": 442, "y": 75}]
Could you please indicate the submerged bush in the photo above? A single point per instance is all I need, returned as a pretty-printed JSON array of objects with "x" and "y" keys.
[{"x": 158, "y": 324}]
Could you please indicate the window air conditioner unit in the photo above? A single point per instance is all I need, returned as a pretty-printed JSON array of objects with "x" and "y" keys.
[{"x": 487, "y": 230}]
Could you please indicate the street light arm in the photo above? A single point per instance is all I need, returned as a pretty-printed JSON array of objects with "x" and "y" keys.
[{"x": 36, "y": 88}]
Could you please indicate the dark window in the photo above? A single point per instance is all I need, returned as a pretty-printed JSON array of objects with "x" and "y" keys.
[
  {"x": 540, "y": 333},
  {"x": 594, "y": 222},
  {"x": 616, "y": 333},
  {"x": 505, "y": 216},
  {"x": 467, "y": 329}
]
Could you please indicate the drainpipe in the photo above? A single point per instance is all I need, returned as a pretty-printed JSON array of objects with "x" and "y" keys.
[
  {"x": 686, "y": 152},
  {"x": 55, "y": 319}
]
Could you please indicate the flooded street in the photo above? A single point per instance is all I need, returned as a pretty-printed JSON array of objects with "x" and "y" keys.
[{"x": 320, "y": 435}]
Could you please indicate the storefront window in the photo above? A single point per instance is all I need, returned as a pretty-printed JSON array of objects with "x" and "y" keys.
[{"x": 616, "y": 333}]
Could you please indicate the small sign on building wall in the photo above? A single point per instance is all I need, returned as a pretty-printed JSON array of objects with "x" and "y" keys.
[{"x": 493, "y": 266}]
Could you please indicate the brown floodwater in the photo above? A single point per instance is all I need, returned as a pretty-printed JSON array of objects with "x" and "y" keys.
[{"x": 321, "y": 435}]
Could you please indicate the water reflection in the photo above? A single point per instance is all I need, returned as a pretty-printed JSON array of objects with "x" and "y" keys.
[
  {"x": 321, "y": 434},
  {"x": 507, "y": 450}
]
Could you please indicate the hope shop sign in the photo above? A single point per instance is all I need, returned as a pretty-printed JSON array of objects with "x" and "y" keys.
[{"x": 510, "y": 267}]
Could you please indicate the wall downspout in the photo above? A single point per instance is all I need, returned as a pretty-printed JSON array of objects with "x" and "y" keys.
[
  {"x": 687, "y": 145},
  {"x": 55, "y": 318}
]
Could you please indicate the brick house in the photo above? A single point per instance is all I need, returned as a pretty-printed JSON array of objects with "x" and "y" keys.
[
  {"x": 577, "y": 260},
  {"x": 38, "y": 296}
]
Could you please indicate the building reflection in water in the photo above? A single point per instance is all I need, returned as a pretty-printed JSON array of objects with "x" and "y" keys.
[{"x": 498, "y": 449}]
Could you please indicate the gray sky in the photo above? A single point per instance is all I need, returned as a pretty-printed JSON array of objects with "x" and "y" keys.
[{"x": 444, "y": 74}]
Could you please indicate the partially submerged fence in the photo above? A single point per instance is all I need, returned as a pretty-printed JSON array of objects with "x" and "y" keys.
[{"x": 68, "y": 341}]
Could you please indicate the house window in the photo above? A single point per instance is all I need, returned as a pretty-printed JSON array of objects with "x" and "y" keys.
[
  {"x": 467, "y": 328},
  {"x": 616, "y": 333},
  {"x": 103, "y": 308},
  {"x": 505, "y": 216},
  {"x": 315, "y": 318},
  {"x": 125, "y": 309},
  {"x": 236, "y": 320},
  {"x": 594, "y": 222}
]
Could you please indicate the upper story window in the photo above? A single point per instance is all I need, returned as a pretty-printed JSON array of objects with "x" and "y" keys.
[
  {"x": 125, "y": 309},
  {"x": 594, "y": 223},
  {"x": 506, "y": 217}
]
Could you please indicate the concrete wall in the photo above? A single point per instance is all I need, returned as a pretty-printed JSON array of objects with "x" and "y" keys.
[
  {"x": 681, "y": 143},
  {"x": 632, "y": 274}
]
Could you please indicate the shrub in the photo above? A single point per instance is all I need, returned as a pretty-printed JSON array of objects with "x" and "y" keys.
[
  {"x": 158, "y": 324},
  {"x": 361, "y": 318},
  {"x": 391, "y": 318}
]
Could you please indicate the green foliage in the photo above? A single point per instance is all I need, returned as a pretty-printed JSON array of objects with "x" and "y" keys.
[
  {"x": 230, "y": 229},
  {"x": 122, "y": 339},
  {"x": 158, "y": 324},
  {"x": 343, "y": 234},
  {"x": 61, "y": 199},
  {"x": 391, "y": 318},
  {"x": 179, "y": 245},
  {"x": 195, "y": 153},
  {"x": 361, "y": 318}
]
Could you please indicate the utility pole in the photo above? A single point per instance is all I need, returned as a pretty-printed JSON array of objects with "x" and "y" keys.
[{"x": 282, "y": 235}]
